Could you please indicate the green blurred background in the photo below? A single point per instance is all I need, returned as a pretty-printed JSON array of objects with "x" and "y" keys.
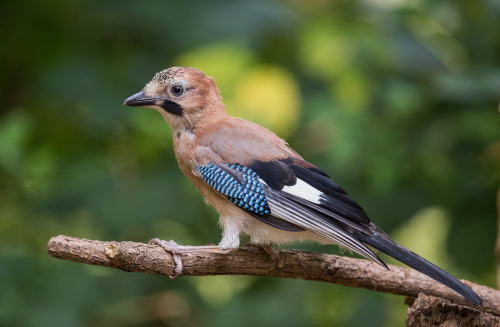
[{"x": 397, "y": 100}]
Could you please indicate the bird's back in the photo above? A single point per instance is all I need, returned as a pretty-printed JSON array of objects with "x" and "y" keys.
[{"x": 236, "y": 140}]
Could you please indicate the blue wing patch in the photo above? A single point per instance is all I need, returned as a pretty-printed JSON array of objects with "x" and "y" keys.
[{"x": 247, "y": 192}]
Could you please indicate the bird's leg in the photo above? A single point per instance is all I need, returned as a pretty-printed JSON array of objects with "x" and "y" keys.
[
  {"x": 229, "y": 243},
  {"x": 176, "y": 249},
  {"x": 273, "y": 253}
]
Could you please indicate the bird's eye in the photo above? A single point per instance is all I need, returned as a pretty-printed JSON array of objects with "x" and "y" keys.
[{"x": 177, "y": 90}]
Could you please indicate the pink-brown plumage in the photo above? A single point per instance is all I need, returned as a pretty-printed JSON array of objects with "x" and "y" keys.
[
  {"x": 224, "y": 155},
  {"x": 205, "y": 133}
]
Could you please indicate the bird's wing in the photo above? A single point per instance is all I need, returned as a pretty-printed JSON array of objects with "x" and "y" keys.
[
  {"x": 275, "y": 194},
  {"x": 301, "y": 181},
  {"x": 294, "y": 185},
  {"x": 272, "y": 182},
  {"x": 294, "y": 195}
]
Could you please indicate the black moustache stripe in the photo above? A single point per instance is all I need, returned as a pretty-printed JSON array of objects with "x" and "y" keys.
[{"x": 172, "y": 108}]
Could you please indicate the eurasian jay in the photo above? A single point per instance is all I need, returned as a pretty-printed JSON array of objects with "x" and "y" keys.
[{"x": 258, "y": 184}]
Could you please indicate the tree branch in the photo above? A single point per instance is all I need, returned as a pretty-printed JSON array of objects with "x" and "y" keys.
[
  {"x": 432, "y": 311},
  {"x": 139, "y": 257}
]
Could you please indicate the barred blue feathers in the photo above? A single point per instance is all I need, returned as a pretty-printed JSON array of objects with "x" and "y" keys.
[{"x": 247, "y": 193}]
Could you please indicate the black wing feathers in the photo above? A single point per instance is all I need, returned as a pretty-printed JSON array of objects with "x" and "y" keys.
[
  {"x": 276, "y": 174},
  {"x": 284, "y": 172},
  {"x": 278, "y": 223},
  {"x": 327, "y": 214},
  {"x": 335, "y": 198}
]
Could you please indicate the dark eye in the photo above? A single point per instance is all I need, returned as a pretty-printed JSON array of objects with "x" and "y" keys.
[{"x": 177, "y": 90}]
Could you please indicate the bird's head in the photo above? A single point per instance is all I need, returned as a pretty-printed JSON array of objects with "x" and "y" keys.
[{"x": 183, "y": 95}]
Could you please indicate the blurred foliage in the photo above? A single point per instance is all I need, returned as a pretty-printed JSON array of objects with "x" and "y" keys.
[
  {"x": 397, "y": 100},
  {"x": 265, "y": 94}
]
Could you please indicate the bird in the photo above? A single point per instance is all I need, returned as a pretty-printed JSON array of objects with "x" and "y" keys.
[{"x": 258, "y": 184}]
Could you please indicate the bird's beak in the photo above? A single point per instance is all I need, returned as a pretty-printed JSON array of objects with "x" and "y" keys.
[{"x": 141, "y": 100}]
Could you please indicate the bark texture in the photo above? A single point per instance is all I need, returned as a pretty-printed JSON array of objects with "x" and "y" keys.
[
  {"x": 140, "y": 257},
  {"x": 432, "y": 311}
]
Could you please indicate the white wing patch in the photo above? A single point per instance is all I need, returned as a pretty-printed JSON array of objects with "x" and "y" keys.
[
  {"x": 299, "y": 215},
  {"x": 303, "y": 190}
]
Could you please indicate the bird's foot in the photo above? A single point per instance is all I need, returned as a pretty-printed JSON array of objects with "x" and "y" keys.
[
  {"x": 176, "y": 250},
  {"x": 273, "y": 253}
]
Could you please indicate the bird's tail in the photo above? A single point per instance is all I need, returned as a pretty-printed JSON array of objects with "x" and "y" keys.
[{"x": 399, "y": 252}]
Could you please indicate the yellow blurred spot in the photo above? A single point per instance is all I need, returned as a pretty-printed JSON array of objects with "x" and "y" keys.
[
  {"x": 269, "y": 96},
  {"x": 265, "y": 94},
  {"x": 224, "y": 61}
]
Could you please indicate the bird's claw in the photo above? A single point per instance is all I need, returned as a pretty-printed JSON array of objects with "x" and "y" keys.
[
  {"x": 275, "y": 256},
  {"x": 173, "y": 248},
  {"x": 273, "y": 253}
]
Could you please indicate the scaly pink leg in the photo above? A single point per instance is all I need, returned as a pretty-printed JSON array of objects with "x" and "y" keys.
[{"x": 176, "y": 249}]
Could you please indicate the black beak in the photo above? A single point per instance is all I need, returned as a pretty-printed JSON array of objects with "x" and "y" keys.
[{"x": 141, "y": 100}]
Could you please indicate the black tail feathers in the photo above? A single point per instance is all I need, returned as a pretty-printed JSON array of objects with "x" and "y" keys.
[{"x": 398, "y": 252}]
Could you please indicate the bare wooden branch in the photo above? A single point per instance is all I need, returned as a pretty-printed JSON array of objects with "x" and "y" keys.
[
  {"x": 432, "y": 311},
  {"x": 139, "y": 257}
]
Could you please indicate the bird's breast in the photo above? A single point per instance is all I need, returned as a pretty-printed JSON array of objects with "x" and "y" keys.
[{"x": 190, "y": 154}]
